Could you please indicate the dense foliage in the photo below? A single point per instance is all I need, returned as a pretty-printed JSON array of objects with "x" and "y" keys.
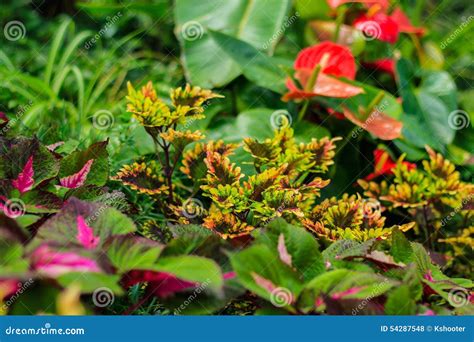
[{"x": 158, "y": 157}]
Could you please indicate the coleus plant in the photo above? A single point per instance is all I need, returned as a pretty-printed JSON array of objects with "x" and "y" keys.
[
  {"x": 397, "y": 277},
  {"x": 35, "y": 180},
  {"x": 435, "y": 197}
]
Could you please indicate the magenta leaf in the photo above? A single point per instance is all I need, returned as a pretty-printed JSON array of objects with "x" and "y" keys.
[
  {"x": 54, "y": 263},
  {"x": 24, "y": 181},
  {"x": 76, "y": 180},
  {"x": 161, "y": 284},
  {"x": 282, "y": 251},
  {"x": 85, "y": 234}
]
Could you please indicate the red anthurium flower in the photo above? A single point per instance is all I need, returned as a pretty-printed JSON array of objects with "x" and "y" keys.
[
  {"x": 384, "y": 4},
  {"x": 384, "y": 164},
  {"x": 379, "y": 124},
  {"x": 378, "y": 26},
  {"x": 385, "y": 64},
  {"x": 315, "y": 67},
  {"x": 404, "y": 24}
]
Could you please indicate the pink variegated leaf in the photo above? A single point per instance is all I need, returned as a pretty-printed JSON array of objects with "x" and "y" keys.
[
  {"x": 85, "y": 234},
  {"x": 76, "y": 180},
  {"x": 24, "y": 182},
  {"x": 282, "y": 251},
  {"x": 346, "y": 293},
  {"x": 54, "y": 146},
  {"x": 54, "y": 263},
  {"x": 264, "y": 283}
]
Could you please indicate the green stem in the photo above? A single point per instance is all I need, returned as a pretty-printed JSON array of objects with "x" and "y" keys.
[
  {"x": 347, "y": 138},
  {"x": 302, "y": 111},
  {"x": 341, "y": 13}
]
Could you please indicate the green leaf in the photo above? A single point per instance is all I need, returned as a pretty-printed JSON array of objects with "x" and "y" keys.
[
  {"x": 426, "y": 116},
  {"x": 254, "y": 64},
  {"x": 400, "y": 302},
  {"x": 128, "y": 252},
  {"x": 89, "y": 282},
  {"x": 346, "y": 248},
  {"x": 191, "y": 268},
  {"x": 300, "y": 244},
  {"x": 260, "y": 260},
  {"x": 341, "y": 280},
  {"x": 311, "y": 9},
  {"x": 206, "y": 64},
  {"x": 401, "y": 249}
]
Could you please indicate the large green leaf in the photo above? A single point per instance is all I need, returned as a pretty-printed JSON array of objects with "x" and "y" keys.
[
  {"x": 254, "y": 64},
  {"x": 362, "y": 284},
  {"x": 191, "y": 268},
  {"x": 301, "y": 246},
  {"x": 128, "y": 252},
  {"x": 206, "y": 64},
  {"x": 426, "y": 110},
  {"x": 400, "y": 302},
  {"x": 260, "y": 262}
]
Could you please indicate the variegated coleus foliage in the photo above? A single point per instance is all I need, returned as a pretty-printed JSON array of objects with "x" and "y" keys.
[
  {"x": 35, "y": 180},
  {"x": 89, "y": 246},
  {"x": 433, "y": 196}
]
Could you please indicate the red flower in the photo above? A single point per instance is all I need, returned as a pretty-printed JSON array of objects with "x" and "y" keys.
[
  {"x": 384, "y": 164},
  {"x": 404, "y": 24},
  {"x": 332, "y": 60},
  {"x": 385, "y": 64},
  {"x": 378, "y": 26}
]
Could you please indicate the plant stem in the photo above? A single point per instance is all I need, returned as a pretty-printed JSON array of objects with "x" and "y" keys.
[
  {"x": 341, "y": 13},
  {"x": 347, "y": 138},
  {"x": 302, "y": 111}
]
